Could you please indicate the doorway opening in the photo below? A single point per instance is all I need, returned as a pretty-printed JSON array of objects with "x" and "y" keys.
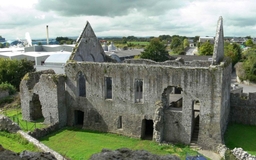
[
  {"x": 195, "y": 121},
  {"x": 147, "y": 129},
  {"x": 36, "y": 109},
  {"x": 79, "y": 117}
]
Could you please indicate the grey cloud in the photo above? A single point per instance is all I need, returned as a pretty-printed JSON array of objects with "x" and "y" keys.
[
  {"x": 242, "y": 21},
  {"x": 110, "y": 8}
]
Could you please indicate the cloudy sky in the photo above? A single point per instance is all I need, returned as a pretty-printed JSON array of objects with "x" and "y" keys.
[{"x": 126, "y": 17}]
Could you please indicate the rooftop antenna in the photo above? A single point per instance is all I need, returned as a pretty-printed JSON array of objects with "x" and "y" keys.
[{"x": 47, "y": 35}]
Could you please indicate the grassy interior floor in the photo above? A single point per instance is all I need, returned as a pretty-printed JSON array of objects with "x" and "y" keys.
[{"x": 238, "y": 135}]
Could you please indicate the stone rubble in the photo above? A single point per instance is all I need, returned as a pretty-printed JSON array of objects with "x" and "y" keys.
[
  {"x": 127, "y": 154},
  {"x": 240, "y": 154},
  {"x": 6, "y": 154},
  {"x": 6, "y": 124}
]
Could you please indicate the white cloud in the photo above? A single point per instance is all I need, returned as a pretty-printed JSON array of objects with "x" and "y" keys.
[{"x": 138, "y": 18}]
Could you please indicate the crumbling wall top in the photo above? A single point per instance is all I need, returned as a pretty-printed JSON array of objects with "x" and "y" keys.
[{"x": 218, "y": 52}]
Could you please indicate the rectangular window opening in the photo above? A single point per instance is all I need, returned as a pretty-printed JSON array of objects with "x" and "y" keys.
[
  {"x": 120, "y": 123},
  {"x": 108, "y": 82},
  {"x": 138, "y": 91}
]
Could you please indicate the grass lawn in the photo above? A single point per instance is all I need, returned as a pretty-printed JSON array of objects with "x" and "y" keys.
[
  {"x": 139, "y": 43},
  {"x": 244, "y": 136},
  {"x": 15, "y": 142},
  {"x": 80, "y": 144},
  {"x": 15, "y": 115}
]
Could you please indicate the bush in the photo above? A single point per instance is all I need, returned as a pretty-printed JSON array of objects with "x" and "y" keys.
[
  {"x": 12, "y": 71},
  {"x": 7, "y": 86},
  {"x": 249, "y": 66}
]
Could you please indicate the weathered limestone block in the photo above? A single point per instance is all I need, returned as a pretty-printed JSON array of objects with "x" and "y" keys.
[
  {"x": 158, "y": 122},
  {"x": 7, "y": 125}
]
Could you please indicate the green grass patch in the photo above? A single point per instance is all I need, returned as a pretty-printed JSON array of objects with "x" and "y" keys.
[
  {"x": 239, "y": 135},
  {"x": 15, "y": 115},
  {"x": 139, "y": 43},
  {"x": 15, "y": 142},
  {"x": 80, "y": 144}
]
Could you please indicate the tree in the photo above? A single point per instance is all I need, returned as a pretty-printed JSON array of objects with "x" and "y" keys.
[
  {"x": 176, "y": 42},
  {"x": 196, "y": 38},
  {"x": 185, "y": 43},
  {"x": 12, "y": 71},
  {"x": 206, "y": 48},
  {"x": 249, "y": 66},
  {"x": 233, "y": 51},
  {"x": 176, "y": 45},
  {"x": 249, "y": 43},
  {"x": 155, "y": 51}
]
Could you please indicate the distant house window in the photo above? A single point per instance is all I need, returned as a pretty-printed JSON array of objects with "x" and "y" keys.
[
  {"x": 138, "y": 91},
  {"x": 81, "y": 84},
  {"x": 108, "y": 83},
  {"x": 119, "y": 123}
]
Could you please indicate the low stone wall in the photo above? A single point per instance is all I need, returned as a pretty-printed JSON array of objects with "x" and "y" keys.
[
  {"x": 40, "y": 145},
  {"x": 3, "y": 94},
  {"x": 240, "y": 154},
  {"x": 38, "y": 133},
  {"x": 7, "y": 125},
  {"x": 243, "y": 108}
]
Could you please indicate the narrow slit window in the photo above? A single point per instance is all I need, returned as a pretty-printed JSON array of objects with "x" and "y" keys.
[
  {"x": 108, "y": 82},
  {"x": 119, "y": 123},
  {"x": 138, "y": 91},
  {"x": 81, "y": 85}
]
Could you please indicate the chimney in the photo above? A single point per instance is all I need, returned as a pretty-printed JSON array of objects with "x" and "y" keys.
[{"x": 47, "y": 35}]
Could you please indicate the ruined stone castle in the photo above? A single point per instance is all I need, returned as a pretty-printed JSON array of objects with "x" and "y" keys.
[{"x": 172, "y": 101}]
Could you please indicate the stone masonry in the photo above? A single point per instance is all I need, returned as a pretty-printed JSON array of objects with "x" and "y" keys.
[{"x": 137, "y": 98}]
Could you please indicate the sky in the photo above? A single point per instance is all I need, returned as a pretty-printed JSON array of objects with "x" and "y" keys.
[{"x": 126, "y": 17}]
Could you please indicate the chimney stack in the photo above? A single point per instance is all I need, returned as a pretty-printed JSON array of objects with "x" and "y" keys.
[{"x": 47, "y": 35}]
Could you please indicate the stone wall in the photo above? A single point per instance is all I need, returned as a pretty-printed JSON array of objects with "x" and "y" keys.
[
  {"x": 198, "y": 83},
  {"x": 243, "y": 108},
  {"x": 43, "y": 95},
  {"x": 7, "y": 125},
  {"x": 3, "y": 93},
  {"x": 39, "y": 133}
]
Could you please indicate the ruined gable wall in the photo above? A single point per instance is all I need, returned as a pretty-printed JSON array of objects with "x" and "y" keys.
[
  {"x": 88, "y": 47},
  {"x": 26, "y": 91},
  {"x": 51, "y": 91},
  {"x": 243, "y": 108},
  {"x": 203, "y": 84}
]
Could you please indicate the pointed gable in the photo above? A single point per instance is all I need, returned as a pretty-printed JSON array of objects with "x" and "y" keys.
[
  {"x": 88, "y": 47},
  {"x": 218, "y": 52}
]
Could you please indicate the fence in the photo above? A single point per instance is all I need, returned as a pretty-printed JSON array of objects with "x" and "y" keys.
[{"x": 16, "y": 116}]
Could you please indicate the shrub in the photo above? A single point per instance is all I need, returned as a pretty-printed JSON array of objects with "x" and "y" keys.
[
  {"x": 7, "y": 86},
  {"x": 12, "y": 71}
]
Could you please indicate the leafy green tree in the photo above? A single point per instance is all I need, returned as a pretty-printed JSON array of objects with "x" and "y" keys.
[
  {"x": 249, "y": 43},
  {"x": 12, "y": 71},
  {"x": 233, "y": 50},
  {"x": 185, "y": 43},
  {"x": 249, "y": 66},
  {"x": 196, "y": 38},
  {"x": 177, "y": 45},
  {"x": 206, "y": 48},
  {"x": 156, "y": 51},
  {"x": 176, "y": 42}
]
